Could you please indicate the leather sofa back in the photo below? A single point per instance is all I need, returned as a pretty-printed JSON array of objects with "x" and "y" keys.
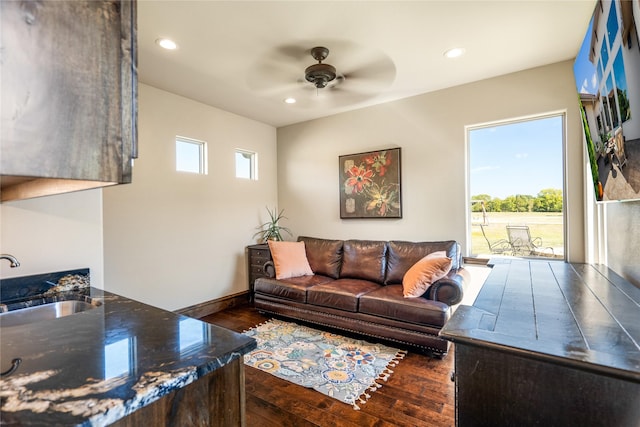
[
  {"x": 324, "y": 255},
  {"x": 402, "y": 255},
  {"x": 375, "y": 260},
  {"x": 364, "y": 259}
]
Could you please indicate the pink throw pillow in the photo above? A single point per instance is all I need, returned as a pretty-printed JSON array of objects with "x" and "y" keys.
[
  {"x": 290, "y": 259},
  {"x": 423, "y": 273}
]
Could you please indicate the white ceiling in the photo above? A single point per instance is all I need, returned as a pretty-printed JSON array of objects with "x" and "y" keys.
[{"x": 246, "y": 57}]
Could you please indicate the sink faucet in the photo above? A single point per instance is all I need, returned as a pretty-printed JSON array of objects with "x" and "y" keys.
[{"x": 12, "y": 259}]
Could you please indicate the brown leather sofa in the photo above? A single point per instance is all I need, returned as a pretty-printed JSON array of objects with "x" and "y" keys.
[{"x": 357, "y": 287}]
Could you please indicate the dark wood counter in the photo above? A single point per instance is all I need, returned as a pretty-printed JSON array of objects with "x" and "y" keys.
[{"x": 548, "y": 343}]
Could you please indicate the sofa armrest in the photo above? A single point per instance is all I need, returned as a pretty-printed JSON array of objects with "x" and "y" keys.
[
  {"x": 449, "y": 289},
  {"x": 269, "y": 269}
]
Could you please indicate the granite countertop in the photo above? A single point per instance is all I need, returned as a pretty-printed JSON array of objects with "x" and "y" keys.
[{"x": 97, "y": 366}]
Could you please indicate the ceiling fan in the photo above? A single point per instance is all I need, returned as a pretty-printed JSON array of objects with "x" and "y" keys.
[
  {"x": 359, "y": 73},
  {"x": 320, "y": 74}
]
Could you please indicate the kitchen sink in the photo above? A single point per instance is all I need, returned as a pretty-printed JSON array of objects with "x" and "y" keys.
[{"x": 43, "y": 312}]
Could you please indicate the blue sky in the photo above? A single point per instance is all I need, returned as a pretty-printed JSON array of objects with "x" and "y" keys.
[
  {"x": 516, "y": 158},
  {"x": 583, "y": 70}
]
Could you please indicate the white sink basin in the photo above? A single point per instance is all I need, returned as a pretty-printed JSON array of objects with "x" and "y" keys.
[{"x": 43, "y": 312}]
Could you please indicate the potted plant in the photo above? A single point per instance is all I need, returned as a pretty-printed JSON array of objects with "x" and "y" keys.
[{"x": 271, "y": 230}]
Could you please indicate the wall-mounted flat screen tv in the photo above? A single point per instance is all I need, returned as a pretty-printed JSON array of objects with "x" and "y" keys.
[{"x": 607, "y": 73}]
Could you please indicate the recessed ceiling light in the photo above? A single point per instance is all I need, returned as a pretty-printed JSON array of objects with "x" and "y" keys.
[
  {"x": 167, "y": 44},
  {"x": 455, "y": 52},
  {"x": 290, "y": 100}
]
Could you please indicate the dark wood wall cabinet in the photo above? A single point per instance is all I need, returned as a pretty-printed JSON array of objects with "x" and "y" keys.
[
  {"x": 258, "y": 256},
  {"x": 69, "y": 95},
  {"x": 548, "y": 343}
]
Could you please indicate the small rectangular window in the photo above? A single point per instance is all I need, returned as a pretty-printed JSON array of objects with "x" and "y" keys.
[
  {"x": 191, "y": 155},
  {"x": 245, "y": 164}
]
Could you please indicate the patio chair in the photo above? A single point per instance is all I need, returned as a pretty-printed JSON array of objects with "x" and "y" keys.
[
  {"x": 618, "y": 148},
  {"x": 499, "y": 247},
  {"x": 523, "y": 245}
]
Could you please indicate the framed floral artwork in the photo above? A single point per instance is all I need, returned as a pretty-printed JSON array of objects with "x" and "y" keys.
[{"x": 370, "y": 184}]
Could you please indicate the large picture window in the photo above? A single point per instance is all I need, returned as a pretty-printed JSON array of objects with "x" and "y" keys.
[{"x": 516, "y": 188}]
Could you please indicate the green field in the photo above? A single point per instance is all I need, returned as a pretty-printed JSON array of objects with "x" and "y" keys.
[{"x": 547, "y": 226}]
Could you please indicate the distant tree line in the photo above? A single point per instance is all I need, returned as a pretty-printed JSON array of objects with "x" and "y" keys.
[{"x": 547, "y": 200}]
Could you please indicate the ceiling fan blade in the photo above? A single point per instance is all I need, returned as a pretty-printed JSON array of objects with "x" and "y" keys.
[
  {"x": 379, "y": 72},
  {"x": 280, "y": 70},
  {"x": 291, "y": 53},
  {"x": 335, "y": 95},
  {"x": 268, "y": 75}
]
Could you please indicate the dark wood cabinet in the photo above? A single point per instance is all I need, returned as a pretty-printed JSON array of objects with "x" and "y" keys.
[
  {"x": 548, "y": 343},
  {"x": 215, "y": 400},
  {"x": 258, "y": 255},
  {"x": 69, "y": 95}
]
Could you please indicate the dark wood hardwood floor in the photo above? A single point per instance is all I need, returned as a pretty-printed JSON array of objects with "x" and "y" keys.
[{"x": 419, "y": 393}]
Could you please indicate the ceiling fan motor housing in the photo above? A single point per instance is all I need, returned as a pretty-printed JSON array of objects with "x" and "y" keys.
[
  {"x": 320, "y": 74},
  {"x": 319, "y": 53}
]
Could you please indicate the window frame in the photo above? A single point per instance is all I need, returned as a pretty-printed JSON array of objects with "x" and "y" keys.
[
  {"x": 510, "y": 121},
  {"x": 202, "y": 154},
  {"x": 253, "y": 163}
]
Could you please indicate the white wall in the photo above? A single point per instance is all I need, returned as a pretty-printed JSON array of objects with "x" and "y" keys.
[
  {"x": 174, "y": 240},
  {"x": 53, "y": 233},
  {"x": 177, "y": 239},
  {"x": 622, "y": 245},
  {"x": 430, "y": 129}
]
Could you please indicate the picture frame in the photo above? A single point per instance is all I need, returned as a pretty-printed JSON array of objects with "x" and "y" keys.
[
  {"x": 605, "y": 73},
  {"x": 370, "y": 184}
]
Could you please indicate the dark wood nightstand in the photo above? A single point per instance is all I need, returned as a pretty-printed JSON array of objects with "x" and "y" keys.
[{"x": 258, "y": 256}]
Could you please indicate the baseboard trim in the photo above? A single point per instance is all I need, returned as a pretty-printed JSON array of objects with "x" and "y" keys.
[{"x": 206, "y": 308}]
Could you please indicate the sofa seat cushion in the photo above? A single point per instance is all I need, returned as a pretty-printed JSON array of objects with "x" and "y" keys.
[
  {"x": 388, "y": 301},
  {"x": 294, "y": 288},
  {"x": 342, "y": 294}
]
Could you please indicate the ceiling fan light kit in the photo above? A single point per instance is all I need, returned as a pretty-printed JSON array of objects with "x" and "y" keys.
[{"x": 320, "y": 74}]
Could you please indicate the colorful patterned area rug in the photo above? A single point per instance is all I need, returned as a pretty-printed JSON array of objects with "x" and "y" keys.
[{"x": 342, "y": 368}]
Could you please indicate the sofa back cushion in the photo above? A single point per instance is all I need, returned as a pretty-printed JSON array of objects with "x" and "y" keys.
[
  {"x": 423, "y": 273},
  {"x": 364, "y": 259},
  {"x": 289, "y": 259},
  {"x": 324, "y": 256},
  {"x": 403, "y": 255}
]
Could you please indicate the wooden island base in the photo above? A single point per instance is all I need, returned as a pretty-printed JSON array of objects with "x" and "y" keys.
[
  {"x": 217, "y": 400},
  {"x": 548, "y": 344}
]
